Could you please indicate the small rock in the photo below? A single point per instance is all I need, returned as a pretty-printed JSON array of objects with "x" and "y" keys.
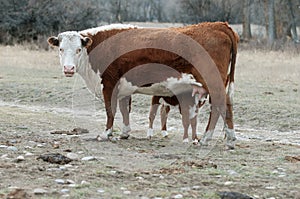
[
  {"x": 232, "y": 172},
  {"x": 178, "y": 196},
  {"x": 3, "y": 146},
  {"x": 185, "y": 189},
  {"x": 12, "y": 148},
  {"x": 4, "y": 156},
  {"x": 228, "y": 183},
  {"x": 20, "y": 158},
  {"x": 72, "y": 185},
  {"x": 270, "y": 188},
  {"x": 88, "y": 158},
  {"x": 196, "y": 187},
  {"x": 139, "y": 178},
  {"x": 60, "y": 181},
  {"x": 40, "y": 145},
  {"x": 100, "y": 191},
  {"x": 65, "y": 190},
  {"x": 29, "y": 154},
  {"x": 271, "y": 198},
  {"x": 70, "y": 181},
  {"x": 72, "y": 156},
  {"x": 83, "y": 182},
  {"x": 127, "y": 192},
  {"x": 39, "y": 191}
]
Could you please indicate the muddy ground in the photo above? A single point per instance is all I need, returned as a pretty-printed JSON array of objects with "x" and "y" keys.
[{"x": 37, "y": 100}]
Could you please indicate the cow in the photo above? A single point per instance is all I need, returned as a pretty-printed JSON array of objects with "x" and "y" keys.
[
  {"x": 112, "y": 59},
  {"x": 226, "y": 68}
]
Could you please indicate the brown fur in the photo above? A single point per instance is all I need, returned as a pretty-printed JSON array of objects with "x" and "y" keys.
[{"x": 216, "y": 38}]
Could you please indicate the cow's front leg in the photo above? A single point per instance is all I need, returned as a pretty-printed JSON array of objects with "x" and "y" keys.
[
  {"x": 110, "y": 102},
  {"x": 125, "y": 107}
]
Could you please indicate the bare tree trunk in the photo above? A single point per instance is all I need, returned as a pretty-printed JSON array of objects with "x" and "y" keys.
[
  {"x": 271, "y": 24},
  {"x": 246, "y": 20},
  {"x": 293, "y": 23}
]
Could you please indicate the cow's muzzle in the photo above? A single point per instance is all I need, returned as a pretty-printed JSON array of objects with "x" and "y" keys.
[{"x": 69, "y": 71}]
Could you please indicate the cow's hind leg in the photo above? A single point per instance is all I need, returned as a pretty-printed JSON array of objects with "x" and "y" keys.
[
  {"x": 153, "y": 110},
  {"x": 164, "y": 111},
  {"x": 229, "y": 127},
  {"x": 125, "y": 107}
]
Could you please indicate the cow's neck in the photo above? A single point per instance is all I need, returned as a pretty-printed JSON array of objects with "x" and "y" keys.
[{"x": 91, "y": 78}]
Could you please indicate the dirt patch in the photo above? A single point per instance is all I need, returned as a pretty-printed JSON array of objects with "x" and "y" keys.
[{"x": 40, "y": 108}]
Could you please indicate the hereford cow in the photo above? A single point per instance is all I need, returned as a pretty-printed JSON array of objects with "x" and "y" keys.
[
  {"x": 119, "y": 57},
  {"x": 224, "y": 58}
]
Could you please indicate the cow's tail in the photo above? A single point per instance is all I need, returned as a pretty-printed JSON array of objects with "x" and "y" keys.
[{"x": 234, "y": 40}]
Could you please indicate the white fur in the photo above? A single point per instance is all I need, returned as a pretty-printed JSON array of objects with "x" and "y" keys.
[
  {"x": 231, "y": 91},
  {"x": 125, "y": 88},
  {"x": 150, "y": 133},
  {"x": 105, "y": 135},
  {"x": 230, "y": 137},
  {"x": 71, "y": 41},
  {"x": 206, "y": 137},
  {"x": 170, "y": 87},
  {"x": 164, "y": 133},
  {"x": 186, "y": 140},
  {"x": 94, "y": 31},
  {"x": 126, "y": 129},
  {"x": 193, "y": 111}
]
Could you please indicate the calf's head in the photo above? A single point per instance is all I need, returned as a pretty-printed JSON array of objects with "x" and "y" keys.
[{"x": 72, "y": 51}]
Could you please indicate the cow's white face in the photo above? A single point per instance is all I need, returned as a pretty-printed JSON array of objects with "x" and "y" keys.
[{"x": 72, "y": 51}]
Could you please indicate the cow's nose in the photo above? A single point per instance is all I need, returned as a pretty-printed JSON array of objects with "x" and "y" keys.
[{"x": 69, "y": 70}]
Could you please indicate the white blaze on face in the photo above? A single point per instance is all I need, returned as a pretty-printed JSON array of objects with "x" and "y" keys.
[{"x": 70, "y": 52}]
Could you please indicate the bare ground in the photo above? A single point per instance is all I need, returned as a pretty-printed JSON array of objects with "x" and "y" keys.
[{"x": 36, "y": 100}]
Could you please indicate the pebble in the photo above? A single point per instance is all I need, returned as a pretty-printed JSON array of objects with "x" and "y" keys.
[
  {"x": 3, "y": 146},
  {"x": 88, "y": 158},
  {"x": 100, "y": 191},
  {"x": 270, "y": 188},
  {"x": 68, "y": 181},
  {"x": 39, "y": 191},
  {"x": 29, "y": 154},
  {"x": 65, "y": 190},
  {"x": 228, "y": 183},
  {"x": 12, "y": 148},
  {"x": 4, "y": 156},
  {"x": 83, "y": 182},
  {"x": 185, "y": 189},
  {"x": 72, "y": 156},
  {"x": 196, "y": 187},
  {"x": 127, "y": 192},
  {"x": 20, "y": 158},
  {"x": 178, "y": 196},
  {"x": 60, "y": 181},
  {"x": 232, "y": 172}
]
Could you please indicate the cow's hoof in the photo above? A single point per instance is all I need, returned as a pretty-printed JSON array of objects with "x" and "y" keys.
[
  {"x": 186, "y": 140},
  {"x": 149, "y": 133},
  {"x": 164, "y": 133},
  {"x": 124, "y": 136},
  {"x": 195, "y": 141}
]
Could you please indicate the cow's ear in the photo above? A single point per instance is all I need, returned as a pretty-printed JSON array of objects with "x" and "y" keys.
[
  {"x": 53, "y": 41},
  {"x": 86, "y": 41}
]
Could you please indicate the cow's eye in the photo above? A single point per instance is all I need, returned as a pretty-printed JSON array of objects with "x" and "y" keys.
[
  {"x": 61, "y": 50},
  {"x": 78, "y": 51}
]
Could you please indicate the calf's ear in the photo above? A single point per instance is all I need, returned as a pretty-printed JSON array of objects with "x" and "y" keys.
[
  {"x": 53, "y": 41},
  {"x": 86, "y": 42}
]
